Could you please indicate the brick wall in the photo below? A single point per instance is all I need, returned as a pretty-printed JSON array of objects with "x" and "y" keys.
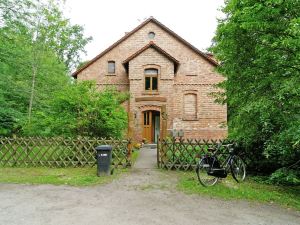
[{"x": 194, "y": 76}]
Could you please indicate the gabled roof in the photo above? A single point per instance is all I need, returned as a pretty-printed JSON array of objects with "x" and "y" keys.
[
  {"x": 157, "y": 48},
  {"x": 151, "y": 19}
]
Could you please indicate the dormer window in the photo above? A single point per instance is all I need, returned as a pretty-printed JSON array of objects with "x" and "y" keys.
[
  {"x": 111, "y": 67},
  {"x": 151, "y": 79}
]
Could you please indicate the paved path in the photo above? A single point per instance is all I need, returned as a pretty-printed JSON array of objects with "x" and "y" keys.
[
  {"x": 144, "y": 196},
  {"x": 147, "y": 159}
]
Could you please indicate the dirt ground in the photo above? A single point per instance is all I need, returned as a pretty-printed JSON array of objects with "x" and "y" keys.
[{"x": 143, "y": 196}]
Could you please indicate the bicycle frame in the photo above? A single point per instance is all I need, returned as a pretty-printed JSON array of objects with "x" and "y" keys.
[{"x": 228, "y": 161}]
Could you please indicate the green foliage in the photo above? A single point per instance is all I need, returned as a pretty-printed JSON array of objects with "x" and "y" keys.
[
  {"x": 258, "y": 45},
  {"x": 80, "y": 109},
  {"x": 37, "y": 96},
  {"x": 282, "y": 176},
  {"x": 46, "y": 24},
  {"x": 82, "y": 64},
  {"x": 38, "y": 47},
  {"x": 65, "y": 39},
  {"x": 285, "y": 176}
]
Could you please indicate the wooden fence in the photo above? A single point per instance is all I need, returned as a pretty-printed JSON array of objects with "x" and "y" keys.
[
  {"x": 59, "y": 152},
  {"x": 183, "y": 154}
]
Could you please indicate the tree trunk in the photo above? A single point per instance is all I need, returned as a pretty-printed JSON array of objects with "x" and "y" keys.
[{"x": 34, "y": 71}]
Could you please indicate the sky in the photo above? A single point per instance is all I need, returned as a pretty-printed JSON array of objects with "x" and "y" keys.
[{"x": 108, "y": 20}]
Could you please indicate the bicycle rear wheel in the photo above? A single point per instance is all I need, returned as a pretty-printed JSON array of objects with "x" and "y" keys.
[
  {"x": 202, "y": 168},
  {"x": 238, "y": 168}
]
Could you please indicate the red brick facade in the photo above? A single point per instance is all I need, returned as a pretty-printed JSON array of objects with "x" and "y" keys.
[{"x": 186, "y": 77}]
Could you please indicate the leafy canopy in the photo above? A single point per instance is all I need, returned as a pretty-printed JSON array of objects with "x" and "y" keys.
[
  {"x": 258, "y": 45},
  {"x": 38, "y": 47}
]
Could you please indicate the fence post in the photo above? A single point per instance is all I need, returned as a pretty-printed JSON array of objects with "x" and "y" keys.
[
  {"x": 14, "y": 157},
  {"x": 164, "y": 117},
  {"x": 163, "y": 149},
  {"x": 130, "y": 136},
  {"x": 129, "y": 151}
]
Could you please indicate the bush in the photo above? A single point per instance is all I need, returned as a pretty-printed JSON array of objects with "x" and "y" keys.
[
  {"x": 285, "y": 176},
  {"x": 81, "y": 109}
]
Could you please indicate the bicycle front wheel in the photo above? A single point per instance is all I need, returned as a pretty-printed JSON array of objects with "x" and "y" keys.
[
  {"x": 202, "y": 168},
  {"x": 238, "y": 168}
]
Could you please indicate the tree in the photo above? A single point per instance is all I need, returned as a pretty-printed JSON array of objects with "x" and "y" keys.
[
  {"x": 82, "y": 64},
  {"x": 258, "y": 46},
  {"x": 65, "y": 39},
  {"x": 38, "y": 48}
]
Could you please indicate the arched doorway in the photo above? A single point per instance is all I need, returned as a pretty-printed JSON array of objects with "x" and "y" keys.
[{"x": 151, "y": 125}]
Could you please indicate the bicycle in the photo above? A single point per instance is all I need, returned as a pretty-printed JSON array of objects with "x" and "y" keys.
[{"x": 209, "y": 170}]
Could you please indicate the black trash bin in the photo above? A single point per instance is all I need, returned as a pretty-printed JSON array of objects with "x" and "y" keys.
[{"x": 104, "y": 153}]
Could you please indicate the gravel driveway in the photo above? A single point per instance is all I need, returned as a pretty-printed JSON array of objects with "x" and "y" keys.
[{"x": 143, "y": 196}]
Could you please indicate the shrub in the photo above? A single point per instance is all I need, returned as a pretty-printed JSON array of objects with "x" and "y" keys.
[
  {"x": 81, "y": 109},
  {"x": 285, "y": 176}
]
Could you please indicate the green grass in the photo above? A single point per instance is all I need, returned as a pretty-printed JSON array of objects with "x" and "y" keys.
[
  {"x": 135, "y": 156},
  {"x": 61, "y": 176},
  {"x": 249, "y": 190}
]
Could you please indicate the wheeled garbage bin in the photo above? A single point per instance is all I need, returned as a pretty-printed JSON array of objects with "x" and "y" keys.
[{"x": 104, "y": 153}]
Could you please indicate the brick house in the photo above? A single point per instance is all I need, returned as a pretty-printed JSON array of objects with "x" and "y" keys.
[{"x": 167, "y": 78}]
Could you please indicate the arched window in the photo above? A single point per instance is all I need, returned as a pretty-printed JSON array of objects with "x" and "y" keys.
[
  {"x": 111, "y": 67},
  {"x": 151, "y": 79},
  {"x": 190, "y": 106}
]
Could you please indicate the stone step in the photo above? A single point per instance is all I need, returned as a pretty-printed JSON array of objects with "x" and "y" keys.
[{"x": 151, "y": 146}]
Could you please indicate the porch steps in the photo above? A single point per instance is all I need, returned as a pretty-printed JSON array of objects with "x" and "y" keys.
[{"x": 151, "y": 146}]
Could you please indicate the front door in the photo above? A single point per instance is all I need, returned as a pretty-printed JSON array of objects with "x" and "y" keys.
[
  {"x": 151, "y": 126},
  {"x": 147, "y": 127}
]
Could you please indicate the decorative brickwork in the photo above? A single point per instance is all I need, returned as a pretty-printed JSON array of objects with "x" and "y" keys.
[{"x": 182, "y": 70}]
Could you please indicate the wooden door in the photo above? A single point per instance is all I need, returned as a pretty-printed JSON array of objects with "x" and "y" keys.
[{"x": 147, "y": 126}]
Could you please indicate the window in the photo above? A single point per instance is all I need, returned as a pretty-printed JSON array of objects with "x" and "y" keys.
[
  {"x": 151, "y": 76},
  {"x": 146, "y": 118},
  {"x": 190, "y": 106},
  {"x": 111, "y": 67},
  {"x": 151, "y": 35}
]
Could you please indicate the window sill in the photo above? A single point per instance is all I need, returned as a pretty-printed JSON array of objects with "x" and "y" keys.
[
  {"x": 150, "y": 93},
  {"x": 110, "y": 74}
]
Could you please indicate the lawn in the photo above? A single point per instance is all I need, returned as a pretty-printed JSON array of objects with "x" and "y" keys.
[
  {"x": 248, "y": 190},
  {"x": 59, "y": 176}
]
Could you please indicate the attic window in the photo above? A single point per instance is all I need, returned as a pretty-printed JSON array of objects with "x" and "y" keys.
[
  {"x": 111, "y": 67},
  {"x": 151, "y": 35}
]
